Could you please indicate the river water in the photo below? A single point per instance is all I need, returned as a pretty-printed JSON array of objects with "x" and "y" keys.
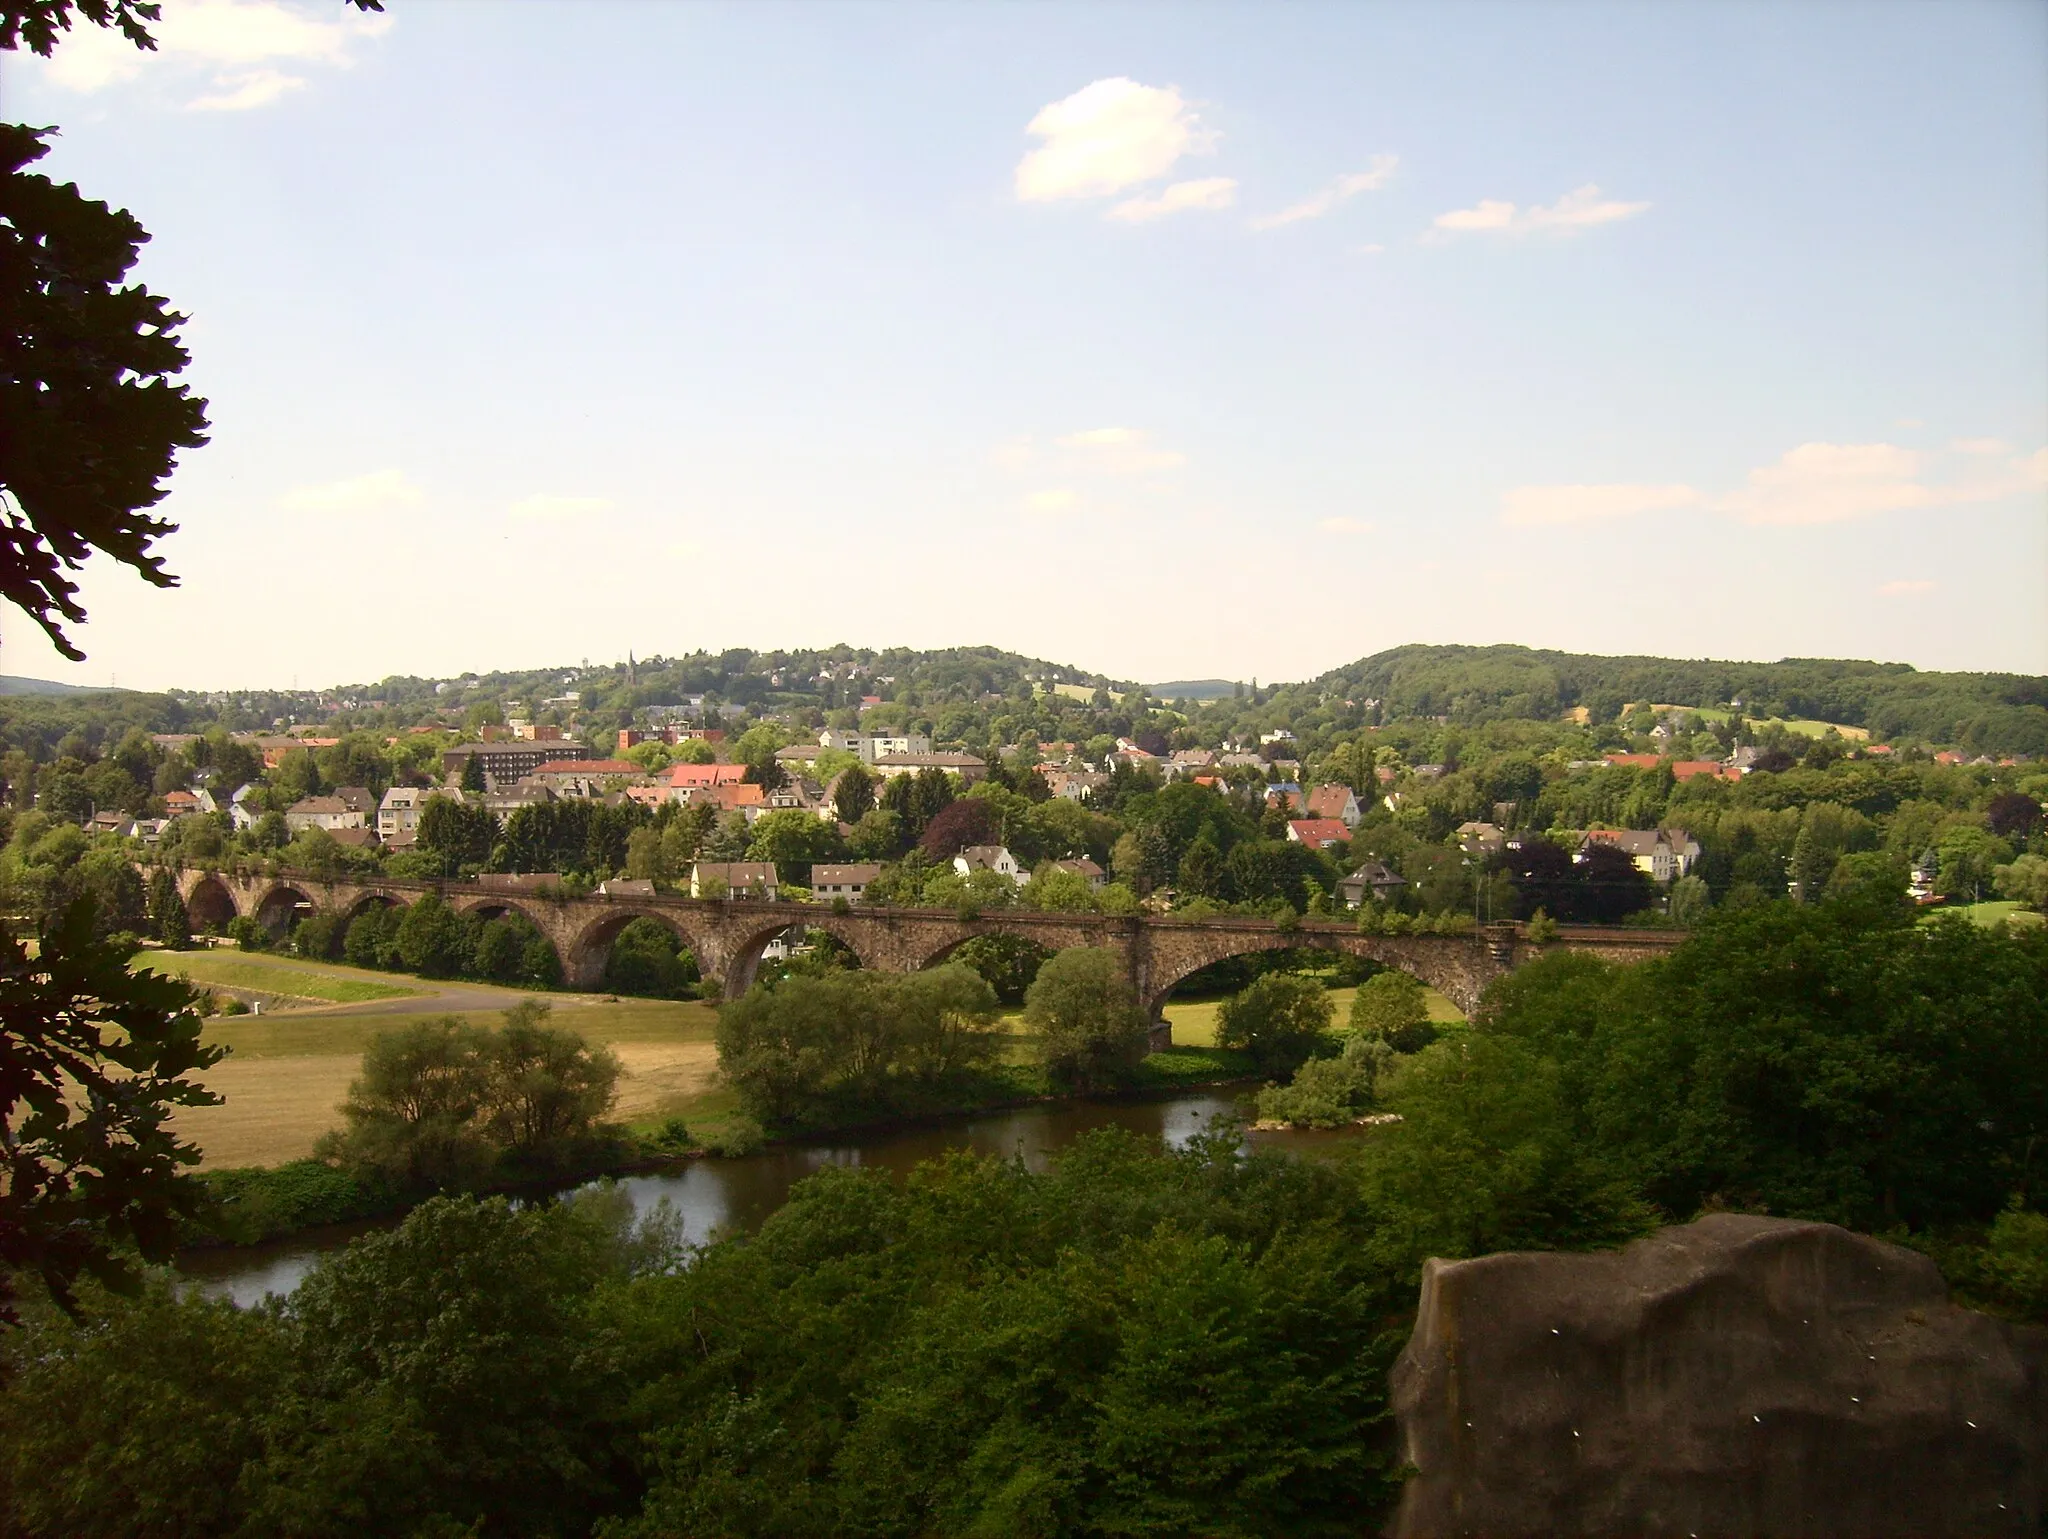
[{"x": 715, "y": 1194}]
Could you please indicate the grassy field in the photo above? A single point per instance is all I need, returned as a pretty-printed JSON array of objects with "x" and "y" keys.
[
  {"x": 1194, "y": 1020},
  {"x": 287, "y": 1072},
  {"x": 1989, "y": 914},
  {"x": 257, "y": 973}
]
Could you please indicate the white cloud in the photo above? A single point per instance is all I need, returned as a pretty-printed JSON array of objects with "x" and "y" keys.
[
  {"x": 1980, "y": 446},
  {"x": 359, "y": 494},
  {"x": 1346, "y": 526},
  {"x": 1370, "y": 250},
  {"x": 542, "y": 506},
  {"x": 1816, "y": 483},
  {"x": 1121, "y": 451},
  {"x": 1320, "y": 203},
  {"x": 1828, "y": 483},
  {"x": 1106, "y": 137},
  {"x": 258, "y": 88},
  {"x": 1488, "y": 215},
  {"x": 1583, "y": 206},
  {"x": 236, "y": 39},
  {"x": 1211, "y": 193},
  {"x": 1529, "y": 506},
  {"x": 1579, "y": 209},
  {"x": 683, "y": 550},
  {"x": 1051, "y": 502},
  {"x": 1903, "y": 586}
]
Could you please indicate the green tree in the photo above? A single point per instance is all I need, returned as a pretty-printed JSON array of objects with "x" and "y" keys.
[
  {"x": 1091, "y": 1031},
  {"x": 646, "y": 959},
  {"x": 548, "y": 1086},
  {"x": 853, "y": 794},
  {"x": 94, "y": 1062},
  {"x": 1280, "y": 1020},
  {"x": 412, "y": 1113},
  {"x": 794, "y": 840},
  {"x": 1390, "y": 1007},
  {"x": 431, "y": 941},
  {"x": 2025, "y": 880},
  {"x": 473, "y": 781},
  {"x": 1202, "y": 870},
  {"x": 457, "y": 833},
  {"x": 91, "y": 415}
]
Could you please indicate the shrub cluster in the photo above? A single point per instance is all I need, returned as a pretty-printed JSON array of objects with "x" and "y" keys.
[
  {"x": 837, "y": 1046},
  {"x": 445, "y": 1105}
]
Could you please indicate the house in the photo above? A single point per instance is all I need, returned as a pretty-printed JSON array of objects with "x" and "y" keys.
[
  {"x": 1481, "y": 838},
  {"x": 328, "y": 812},
  {"x": 734, "y": 879},
  {"x": 502, "y": 803},
  {"x": 1334, "y": 801},
  {"x": 626, "y": 887},
  {"x": 1662, "y": 854},
  {"x": 849, "y": 882},
  {"x": 358, "y": 799},
  {"x": 1080, "y": 866},
  {"x": 1375, "y": 879},
  {"x": 1284, "y": 794},
  {"x": 870, "y": 746},
  {"x": 1074, "y": 785},
  {"x": 1692, "y": 769},
  {"x": 990, "y": 857},
  {"x": 965, "y": 765},
  {"x": 355, "y": 838},
  {"x": 111, "y": 823},
  {"x": 178, "y": 804},
  {"x": 243, "y": 808},
  {"x": 399, "y": 812},
  {"x": 1317, "y": 833}
]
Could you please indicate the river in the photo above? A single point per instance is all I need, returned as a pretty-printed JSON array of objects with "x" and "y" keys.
[{"x": 716, "y": 1194}]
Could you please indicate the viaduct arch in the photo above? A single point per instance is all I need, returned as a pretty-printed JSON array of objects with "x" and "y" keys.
[{"x": 727, "y": 934}]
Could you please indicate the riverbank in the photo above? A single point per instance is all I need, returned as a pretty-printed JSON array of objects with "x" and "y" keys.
[{"x": 257, "y": 1204}]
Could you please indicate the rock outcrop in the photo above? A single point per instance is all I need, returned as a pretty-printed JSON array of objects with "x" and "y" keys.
[{"x": 1737, "y": 1376}]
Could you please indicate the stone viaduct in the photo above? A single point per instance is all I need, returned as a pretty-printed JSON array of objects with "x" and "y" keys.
[{"x": 727, "y": 935}]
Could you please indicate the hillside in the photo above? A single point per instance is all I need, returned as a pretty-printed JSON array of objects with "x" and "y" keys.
[{"x": 1996, "y": 711}]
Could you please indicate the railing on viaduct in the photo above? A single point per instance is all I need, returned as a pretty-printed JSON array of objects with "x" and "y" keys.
[{"x": 727, "y": 935}]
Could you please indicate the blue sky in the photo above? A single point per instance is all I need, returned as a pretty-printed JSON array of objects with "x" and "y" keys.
[{"x": 1171, "y": 341}]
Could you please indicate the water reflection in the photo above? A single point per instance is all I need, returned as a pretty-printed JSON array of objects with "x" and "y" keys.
[{"x": 712, "y": 1195}]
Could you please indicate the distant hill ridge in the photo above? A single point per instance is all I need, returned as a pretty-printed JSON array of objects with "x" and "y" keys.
[{"x": 13, "y": 684}]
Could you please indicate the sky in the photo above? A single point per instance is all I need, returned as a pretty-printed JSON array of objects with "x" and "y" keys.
[{"x": 1174, "y": 342}]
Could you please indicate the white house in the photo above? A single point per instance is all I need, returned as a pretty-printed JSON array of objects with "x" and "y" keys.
[
  {"x": 734, "y": 879},
  {"x": 399, "y": 812},
  {"x": 848, "y": 881},
  {"x": 328, "y": 812},
  {"x": 990, "y": 857},
  {"x": 1660, "y": 853}
]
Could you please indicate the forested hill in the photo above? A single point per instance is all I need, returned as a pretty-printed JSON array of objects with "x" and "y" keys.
[
  {"x": 979, "y": 697},
  {"x": 1473, "y": 684}
]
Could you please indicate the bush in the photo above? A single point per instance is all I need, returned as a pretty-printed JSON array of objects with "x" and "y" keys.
[
  {"x": 740, "y": 1137},
  {"x": 370, "y": 940},
  {"x": 1330, "y": 1092},
  {"x": 317, "y": 937},
  {"x": 1279, "y": 1020},
  {"x": 446, "y": 1106},
  {"x": 836, "y": 1045},
  {"x": 1092, "y": 1033},
  {"x": 245, "y": 932},
  {"x": 432, "y": 941},
  {"x": 1541, "y": 928},
  {"x": 256, "y": 1203},
  {"x": 646, "y": 959},
  {"x": 1391, "y": 1008},
  {"x": 672, "y": 1137}
]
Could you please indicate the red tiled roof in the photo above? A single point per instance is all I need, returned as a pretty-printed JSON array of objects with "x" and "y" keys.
[
  {"x": 590, "y": 767},
  {"x": 705, "y": 774},
  {"x": 1318, "y": 832}
]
